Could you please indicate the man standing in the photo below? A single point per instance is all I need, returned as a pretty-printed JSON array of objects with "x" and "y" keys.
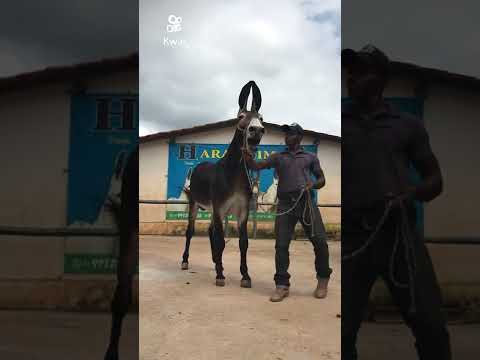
[
  {"x": 295, "y": 168},
  {"x": 379, "y": 234}
]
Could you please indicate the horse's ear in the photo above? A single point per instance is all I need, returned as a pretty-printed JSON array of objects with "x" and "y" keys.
[
  {"x": 257, "y": 97},
  {"x": 243, "y": 98}
]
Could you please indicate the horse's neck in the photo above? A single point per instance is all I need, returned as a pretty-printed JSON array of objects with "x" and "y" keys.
[{"x": 234, "y": 151}]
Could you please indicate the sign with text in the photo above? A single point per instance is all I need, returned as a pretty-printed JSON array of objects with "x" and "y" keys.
[
  {"x": 103, "y": 133},
  {"x": 182, "y": 158}
]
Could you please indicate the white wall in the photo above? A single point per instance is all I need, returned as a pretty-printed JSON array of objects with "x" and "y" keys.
[
  {"x": 154, "y": 168},
  {"x": 452, "y": 117},
  {"x": 33, "y": 141}
]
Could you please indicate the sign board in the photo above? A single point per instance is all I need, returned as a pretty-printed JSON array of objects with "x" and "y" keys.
[
  {"x": 103, "y": 133},
  {"x": 182, "y": 158}
]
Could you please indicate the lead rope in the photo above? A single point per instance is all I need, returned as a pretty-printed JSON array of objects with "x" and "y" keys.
[
  {"x": 309, "y": 205},
  {"x": 372, "y": 236},
  {"x": 402, "y": 236}
]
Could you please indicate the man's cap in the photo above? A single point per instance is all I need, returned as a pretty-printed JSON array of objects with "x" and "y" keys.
[
  {"x": 369, "y": 55},
  {"x": 294, "y": 127}
]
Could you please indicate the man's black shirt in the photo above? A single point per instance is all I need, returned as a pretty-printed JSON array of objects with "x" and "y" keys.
[
  {"x": 376, "y": 153},
  {"x": 294, "y": 169}
]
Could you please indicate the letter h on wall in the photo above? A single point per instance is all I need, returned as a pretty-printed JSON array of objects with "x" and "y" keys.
[{"x": 186, "y": 152}]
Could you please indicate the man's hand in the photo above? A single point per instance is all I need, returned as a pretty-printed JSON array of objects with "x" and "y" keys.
[
  {"x": 401, "y": 199},
  {"x": 251, "y": 163},
  {"x": 247, "y": 155},
  {"x": 318, "y": 184},
  {"x": 309, "y": 186}
]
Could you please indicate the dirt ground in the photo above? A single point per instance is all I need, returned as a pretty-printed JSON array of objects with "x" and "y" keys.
[
  {"x": 394, "y": 342},
  {"x": 38, "y": 335},
  {"x": 183, "y": 315},
  {"x": 56, "y": 335}
]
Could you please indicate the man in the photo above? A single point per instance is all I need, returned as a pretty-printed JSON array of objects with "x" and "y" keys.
[
  {"x": 295, "y": 168},
  {"x": 379, "y": 234}
]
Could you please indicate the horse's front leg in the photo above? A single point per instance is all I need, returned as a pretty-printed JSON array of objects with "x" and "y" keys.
[
  {"x": 246, "y": 282},
  {"x": 218, "y": 245}
]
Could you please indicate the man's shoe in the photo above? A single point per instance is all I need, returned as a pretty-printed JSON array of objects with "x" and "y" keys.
[
  {"x": 279, "y": 294},
  {"x": 321, "y": 290}
]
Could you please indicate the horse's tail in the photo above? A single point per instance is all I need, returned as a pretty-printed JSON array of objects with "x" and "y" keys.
[
  {"x": 186, "y": 187},
  {"x": 116, "y": 210},
  {"x": 187, "y": 192}
]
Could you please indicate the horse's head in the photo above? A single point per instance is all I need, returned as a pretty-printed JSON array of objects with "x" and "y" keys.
[{"x": 251, "y": 120}]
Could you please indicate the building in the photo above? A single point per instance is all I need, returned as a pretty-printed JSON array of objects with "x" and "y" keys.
[
  {"x": 166, "y": 157},
  {"x": 449, "y": 106},
  {"x": 65, "y": 133}
]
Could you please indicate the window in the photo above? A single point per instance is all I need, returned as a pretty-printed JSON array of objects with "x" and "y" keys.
[
  {"x": 103, "y": 112},
  {"x": 128, "y": 109}
]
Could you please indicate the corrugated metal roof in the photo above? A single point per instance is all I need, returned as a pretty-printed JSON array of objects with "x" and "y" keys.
[
  {"x": 224, "y": 124},
  {"x": 430, "y": 74},
  {"x": 110, "y": 65},
  {"x": 69, "y": 73}
]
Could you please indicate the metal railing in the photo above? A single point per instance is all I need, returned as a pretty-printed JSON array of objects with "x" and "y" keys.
[
  {"x": 256, "y": 205},
  {"x": 56, "y": 231},
  {"x": 72, "y": 231},
  {"x": 68, "y": 231},
  {"x": 184, "y": 202}
]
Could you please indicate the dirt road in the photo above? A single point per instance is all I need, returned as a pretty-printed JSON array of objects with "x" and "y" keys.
[{"x": 183, "y": 315}]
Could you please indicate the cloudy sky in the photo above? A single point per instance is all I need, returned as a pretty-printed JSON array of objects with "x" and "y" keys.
[
  {"x": 290, "y": 48},
  {"x": 432, "y": 33},
  {"x": 36, "y": 34}
]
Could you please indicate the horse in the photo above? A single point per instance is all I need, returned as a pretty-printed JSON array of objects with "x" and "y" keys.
[
  {"x": 126, "y": 217},
  {"x": 225, "y": 187}
]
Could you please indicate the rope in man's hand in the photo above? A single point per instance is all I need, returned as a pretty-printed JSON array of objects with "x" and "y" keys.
[{"x": 404, "y": 236}]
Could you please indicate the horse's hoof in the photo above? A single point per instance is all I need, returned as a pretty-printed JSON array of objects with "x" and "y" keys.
[
  {"x": 246, "y": 283},
  {"x": 111, "y": 355},
  {"x": 184, "y": 265},
  {"x": 220, "y": 282}
]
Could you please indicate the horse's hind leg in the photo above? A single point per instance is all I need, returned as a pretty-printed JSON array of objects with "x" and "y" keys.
[
  {"x": 210, "y": 235},
  {"x": 246, "y": 282},
  {"x": 218, "y": 245},
  {"x": 192, "y": 215}
]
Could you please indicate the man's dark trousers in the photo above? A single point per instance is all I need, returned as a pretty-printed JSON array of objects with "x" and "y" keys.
[
  {"x": 428, "y": 323},
  {"x": 284, "y": 229}
]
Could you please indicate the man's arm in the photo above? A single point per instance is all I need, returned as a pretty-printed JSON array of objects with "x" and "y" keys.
[
  {"x": 426, "y": 163},
  {"x": 316, "y": 170},
  {"x": 258, "y": 165}
]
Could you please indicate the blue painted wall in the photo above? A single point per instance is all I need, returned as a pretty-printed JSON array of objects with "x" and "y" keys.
[{"x": 93, "y": 153}]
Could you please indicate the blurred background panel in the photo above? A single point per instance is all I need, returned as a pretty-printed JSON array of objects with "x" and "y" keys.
[
  {"x": 69, "y": 108},
  {"x": 435, "y": 76}
]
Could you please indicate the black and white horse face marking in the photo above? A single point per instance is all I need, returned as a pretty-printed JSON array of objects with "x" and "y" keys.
[
  {"x": 251, "y": 120},
  {"x": 254, "y": 130}
]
